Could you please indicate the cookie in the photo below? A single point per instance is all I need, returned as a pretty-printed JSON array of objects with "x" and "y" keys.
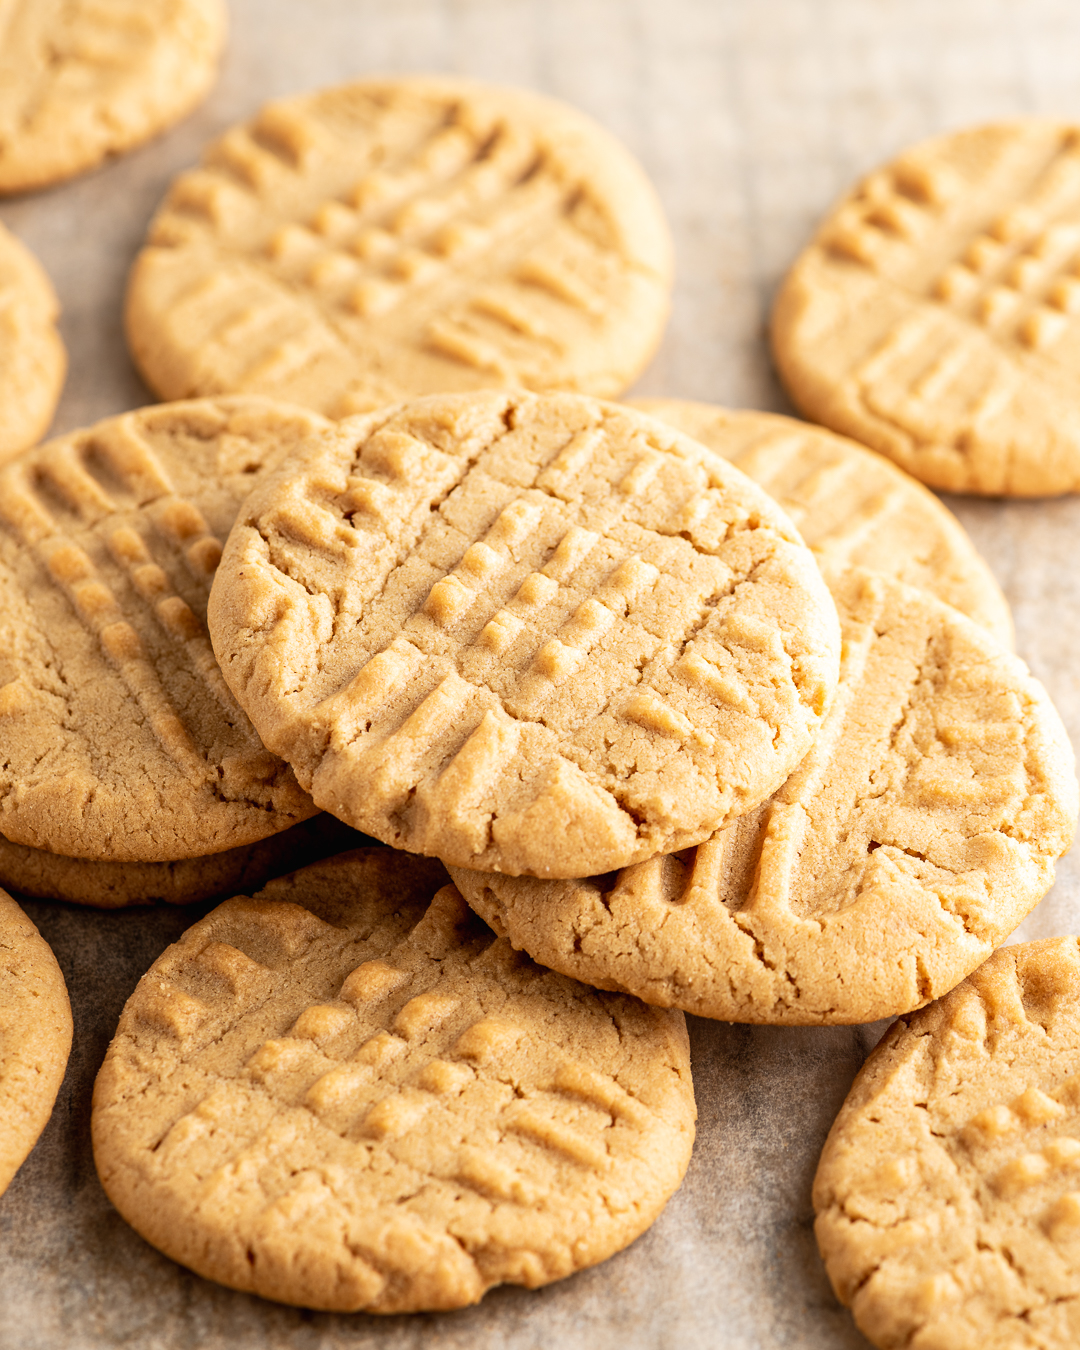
[
  {"x": 394, "y": 237},
  {"x": 933, "y": 316},
  {"x": 523, "y": 633},
  {"x": 33, "y": 361},
  {"x": 948, "y": 1194},
  {"x": 348, "y": 1094},
  {"x": 115, "y": 885},
  {"x": 92, "y": 78},
  {"x": 917, "y": 833},
  {"x": 121, "y": 740},
  {"x": 35, "y": 1036},
  {"x": 849, "y": 504}
]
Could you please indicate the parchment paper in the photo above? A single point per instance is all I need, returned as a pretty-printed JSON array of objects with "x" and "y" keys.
[{"x": 751, "y": 116}]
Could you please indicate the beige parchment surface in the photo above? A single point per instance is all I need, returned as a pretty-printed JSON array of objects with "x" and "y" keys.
[{"x": 750, "y": 115}]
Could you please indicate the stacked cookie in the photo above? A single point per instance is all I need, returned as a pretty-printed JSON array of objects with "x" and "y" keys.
[
  {"x": 77, "y": 83},
  {"x": 678, "y": 756},
  {"x": 543, "y": 1124},
  {"x": 543, "y": 639}
]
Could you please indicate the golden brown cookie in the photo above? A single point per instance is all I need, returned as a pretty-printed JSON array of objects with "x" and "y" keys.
[
  {"x": 84, "y": 79},
  {"x": 32, "y": 356},
  {"x": 347, "y": 1093},
  {"x": 35, "y": 1036},
  {"x": 115, "y": 885},
  {"x": 532, "y": 634},
  {"x": 364, "y": 244},
  {"x": 849, "y": 504},
  {"x": 933, "y": 316},
  {"x": 121, "y": 740},
  {"x": 917, "y": 833},
  {"x": 948, "y": 1194}
]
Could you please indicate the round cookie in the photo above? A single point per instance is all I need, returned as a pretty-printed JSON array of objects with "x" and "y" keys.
[
  {"x": 33, "y": 361},
  {"x": 348, "y": 1094},
  {"x": 121, "y": 741},
  {"x": 932, "y": 317},
  {"x": 35, "y": 1036},
  {"x": 394, "y": 237},
  {"x": 917, "y": 833},
  {"x": 530, "y": 634},
  {"x": 90, "y": 78},
  {"x": 186, "y": 881},
  {"x": 947, "y": 1195},
  {"x": 849, "y": 504}
]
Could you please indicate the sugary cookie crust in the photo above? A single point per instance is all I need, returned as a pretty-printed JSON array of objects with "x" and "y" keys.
[
  {"x": 35, "y": 1036},
  {"x": 84, "y": 79},
  {"x": 364, "y": 244},
  {"x": 947, "y": 1194},
  {"x": 933, "y": 317},
  {"x": 348, "y": 1094},
  {"x": 537, "y": 635},
  {"x": 917, "y": 833},
  {"x": 121, "y": 741},
  {"x": 852, "y": 506},
  {"x": 32, "y": 356}
]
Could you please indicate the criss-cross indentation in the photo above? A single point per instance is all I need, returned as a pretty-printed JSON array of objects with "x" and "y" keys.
[
  {"x": 485, "y": 605},
  {"x": 902, "y": 836},
  {"x": 949, "y": 285},
  {"x": 388, "y": 1069},
  {"x": 849, "y": 504},
  {"x": 382, "y": 240},
  {"x": 109, "y": 541},
  {"x": 966, "y": 1123}
]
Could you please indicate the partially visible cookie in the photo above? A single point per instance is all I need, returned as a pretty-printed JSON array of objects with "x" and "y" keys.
[
  {"x": 121, "y": 740},
  {"x": 348, "y": 1094},
  {"x": 90, "y": 78},
  {"x": 364, "y": 244},
  {"x": 934, "y": 315},
  {"x": 115, "y": 885},
  {"x": 849, "y": 504},
  {"x": 32, "y": 356},
  {"x": 920, "y": 829},
  {"x": 35, "y": 1036},
  {"x": 530, "y": 634},
  {"x": 948, "y": 1193}
]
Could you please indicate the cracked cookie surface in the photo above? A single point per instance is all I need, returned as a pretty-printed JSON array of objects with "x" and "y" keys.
[
  {"x": 121, "y": 740},
  {"x": 531, "y": 634},
  {"x": 347, "y": 1093},
  {"x": 934, "y": 315},
  {"x": 84, "y": 79},
  {"x": 35, "y": 1036},
  {"x": 852, "y": 506},
  {"x": 948, "y": 1192},
  {"x": 917, "y": 833},
  {"x": 365, "y": 244},
  {"x": 32, "y": 356}
]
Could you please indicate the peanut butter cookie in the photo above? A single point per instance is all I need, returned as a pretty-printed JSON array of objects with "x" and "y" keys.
[
  {"x": 32, "y": 356},
  {"x": 948, "y": 1194},
  {"x": 394, "y": 237},
  {"x": 530, "y": 634},
  {"x": 35, "y": 1036},
  {"x": 121, "y": 740},
  {"x": 347, "y": 1093},
  {"x": 83, "y": 79},
  {"x": 933, "y": 316}
]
